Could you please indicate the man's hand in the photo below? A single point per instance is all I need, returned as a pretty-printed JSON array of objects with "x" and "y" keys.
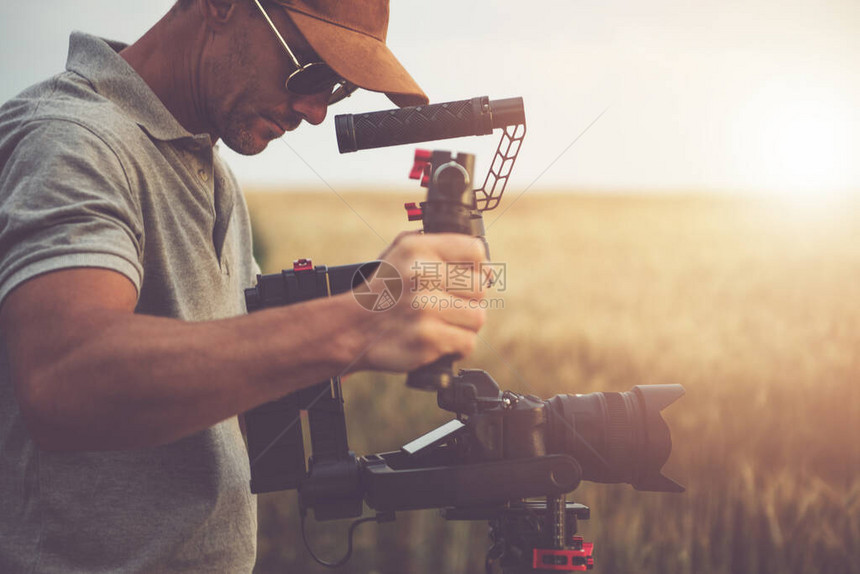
[{"x": 431, "y": 319}]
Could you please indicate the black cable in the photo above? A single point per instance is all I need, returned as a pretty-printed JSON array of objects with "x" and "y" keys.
[{"x": 348, "y": 554}]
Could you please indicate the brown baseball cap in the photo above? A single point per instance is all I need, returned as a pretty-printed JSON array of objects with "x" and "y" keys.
[{"x": 349, "y": 35}]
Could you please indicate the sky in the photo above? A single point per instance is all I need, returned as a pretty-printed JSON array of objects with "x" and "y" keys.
[{"x": 711, "y": 95}]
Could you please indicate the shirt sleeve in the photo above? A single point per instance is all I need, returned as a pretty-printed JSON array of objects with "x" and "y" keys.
[{"x": 65, "y": 202}]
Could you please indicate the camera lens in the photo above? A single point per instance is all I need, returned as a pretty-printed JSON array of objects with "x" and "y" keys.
[{"x": 616, "y": 437}]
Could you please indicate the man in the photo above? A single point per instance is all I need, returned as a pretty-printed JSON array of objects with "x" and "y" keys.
[{"x": 124, "y": 250}]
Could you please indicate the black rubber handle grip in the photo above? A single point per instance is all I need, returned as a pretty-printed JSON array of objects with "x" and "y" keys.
[{"x": 474, "y": 117}]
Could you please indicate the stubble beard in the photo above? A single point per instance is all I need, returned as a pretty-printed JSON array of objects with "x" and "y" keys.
[{"x": 238, "y": 136}]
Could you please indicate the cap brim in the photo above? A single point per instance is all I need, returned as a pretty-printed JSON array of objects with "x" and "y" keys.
[{"x": 360, "y": 59}]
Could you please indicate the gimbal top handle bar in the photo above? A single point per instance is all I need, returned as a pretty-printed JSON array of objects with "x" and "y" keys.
[{"x": 474, "y": 117}]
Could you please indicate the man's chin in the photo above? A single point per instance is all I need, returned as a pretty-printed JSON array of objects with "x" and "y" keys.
[
  {"x": 248, "y": 150},
  {"x": 246, "y": 143},
  {"x": 252, "y": 136}
]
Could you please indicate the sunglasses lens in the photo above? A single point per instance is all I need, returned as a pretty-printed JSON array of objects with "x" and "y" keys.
[
  {"x": 312, "y": 79},
  {"x": 342, "y": 92}
]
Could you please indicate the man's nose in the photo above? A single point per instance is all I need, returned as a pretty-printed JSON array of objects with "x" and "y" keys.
[{"x": 312, "y": 108}]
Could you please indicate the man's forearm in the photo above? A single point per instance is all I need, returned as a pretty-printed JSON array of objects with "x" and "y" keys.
[
  {"x": 90, "y": 374},
  {"x": 142, "y": 381}
]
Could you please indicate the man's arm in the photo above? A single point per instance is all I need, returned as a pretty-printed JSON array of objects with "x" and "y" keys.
[{"x": 90, "y": 374}]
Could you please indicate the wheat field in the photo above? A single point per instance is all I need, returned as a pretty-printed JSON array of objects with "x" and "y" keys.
[{"x": 752, "y": 304}]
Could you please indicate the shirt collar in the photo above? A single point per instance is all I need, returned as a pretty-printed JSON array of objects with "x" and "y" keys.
[{"x": 99, "y": 62}]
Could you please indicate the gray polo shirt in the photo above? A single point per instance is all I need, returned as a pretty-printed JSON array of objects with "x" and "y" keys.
[{"x": 95, "y": 172}]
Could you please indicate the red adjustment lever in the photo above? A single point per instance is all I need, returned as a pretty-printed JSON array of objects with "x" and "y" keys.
[
  {"x": 414, "y": 212},
  {"x": 421, "y": 166},
  {"x": 303, "y": 265}
]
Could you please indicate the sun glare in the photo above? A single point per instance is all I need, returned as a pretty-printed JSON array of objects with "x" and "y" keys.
[{"x": 797, "y": 142}]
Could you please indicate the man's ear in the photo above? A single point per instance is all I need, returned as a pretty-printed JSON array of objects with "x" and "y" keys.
[{"x": 218, "y": 12}]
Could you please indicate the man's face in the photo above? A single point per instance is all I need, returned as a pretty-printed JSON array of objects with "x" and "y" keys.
[{"x": 247, "y": 100}]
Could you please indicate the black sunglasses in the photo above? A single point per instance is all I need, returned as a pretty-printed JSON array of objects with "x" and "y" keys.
[{"x": 313, "y": 77}]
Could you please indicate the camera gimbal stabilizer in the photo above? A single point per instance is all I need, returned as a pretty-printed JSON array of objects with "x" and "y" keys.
[{"x": 502, "y": 448}]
